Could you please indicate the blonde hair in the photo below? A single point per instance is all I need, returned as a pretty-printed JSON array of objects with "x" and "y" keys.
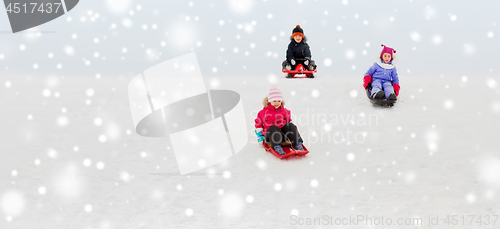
[{"x": 265, "y": 102}]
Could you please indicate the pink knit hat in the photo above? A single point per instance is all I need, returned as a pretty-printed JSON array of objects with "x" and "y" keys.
[
  {"x": 387, "y": 50},
  {"x": 274, "y": 94}
]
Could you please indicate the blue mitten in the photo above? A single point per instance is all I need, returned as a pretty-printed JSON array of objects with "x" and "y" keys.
[{"x": 259, "y": 134}]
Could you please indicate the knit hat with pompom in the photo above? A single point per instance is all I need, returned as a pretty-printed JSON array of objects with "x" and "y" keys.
[
  {"x": 387, "y": 50},
  {"x": 297, "y": 31}
]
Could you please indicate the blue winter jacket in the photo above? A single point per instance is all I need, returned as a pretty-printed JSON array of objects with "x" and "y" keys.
[{"x": 381, "y": 70}]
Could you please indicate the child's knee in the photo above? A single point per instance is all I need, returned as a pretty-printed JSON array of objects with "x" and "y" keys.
[
  {"x": 376, "y": 84},
  {"x": 274, "y": 127}
]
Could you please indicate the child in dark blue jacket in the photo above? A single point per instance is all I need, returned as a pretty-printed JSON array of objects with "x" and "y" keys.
[
  {"x": 298, "y": 51},
  {"x": 383, "y": 75}
]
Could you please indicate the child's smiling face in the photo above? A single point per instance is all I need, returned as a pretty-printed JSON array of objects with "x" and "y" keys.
[
  {"x": 297, "y": 38},
  {"x": 386, "y": 57},
  {"x": 276, "y": 103}
]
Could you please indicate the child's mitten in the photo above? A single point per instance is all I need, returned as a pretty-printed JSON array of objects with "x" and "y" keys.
[
  {"x": 260, "y": 136},
  {"x": 367, "y": 80},
  {"x": 396, "y": 88}
]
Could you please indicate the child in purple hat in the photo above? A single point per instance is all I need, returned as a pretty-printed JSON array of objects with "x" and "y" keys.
[{"x": 383, "y": 76}]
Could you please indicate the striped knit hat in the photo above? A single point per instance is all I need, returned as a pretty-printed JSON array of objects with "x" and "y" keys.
[{"x": 274, "y": 94}]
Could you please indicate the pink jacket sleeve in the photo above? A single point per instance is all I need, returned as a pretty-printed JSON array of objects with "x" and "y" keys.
[{"x": 259, "y": 121}]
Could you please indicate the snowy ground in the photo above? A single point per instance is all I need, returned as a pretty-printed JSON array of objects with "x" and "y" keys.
[{"x": 72, "y": 160}]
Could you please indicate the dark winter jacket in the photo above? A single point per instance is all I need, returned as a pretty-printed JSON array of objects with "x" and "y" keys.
[{"x": 298, "y": 50}]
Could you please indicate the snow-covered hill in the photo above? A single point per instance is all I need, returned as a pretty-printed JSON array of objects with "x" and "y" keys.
[{"x": 71, "y": 158}]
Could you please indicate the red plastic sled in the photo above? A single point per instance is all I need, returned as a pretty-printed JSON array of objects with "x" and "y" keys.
[
  {"x": 288, "y": 151},
  {"x": 299, "y": 69}
]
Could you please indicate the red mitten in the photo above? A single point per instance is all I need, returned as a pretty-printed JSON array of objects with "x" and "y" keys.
[
  {"x": 367, "y": 80},
  {"x": 396, "y": 88}
]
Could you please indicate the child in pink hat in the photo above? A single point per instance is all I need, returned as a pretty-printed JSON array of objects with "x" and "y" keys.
[
  {"x": 383, "y": 76},
  {"x": 274, "y": 123}
]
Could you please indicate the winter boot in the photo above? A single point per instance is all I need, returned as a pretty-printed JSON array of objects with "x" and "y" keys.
[
  {"x": 392, "y": 97},
  {"x": 379, "y": 95},
  {"x": 299, "y": 146},
  {"x": 279, "y": 150}
]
